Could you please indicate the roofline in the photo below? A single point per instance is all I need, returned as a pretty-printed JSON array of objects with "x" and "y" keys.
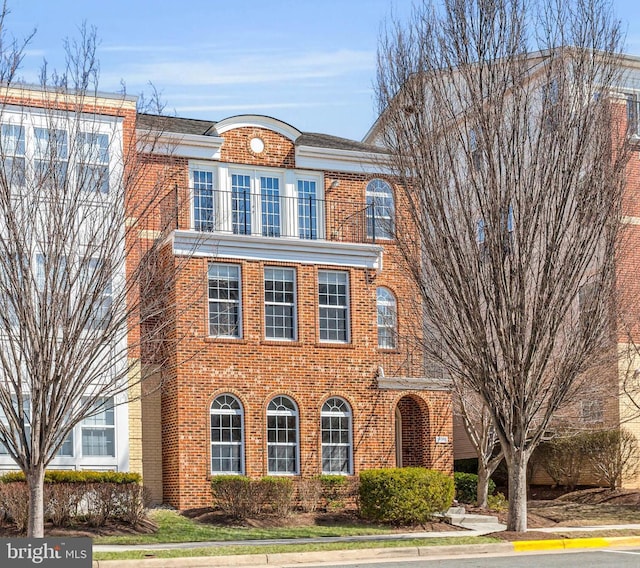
[{"x": 255, "y": 121}]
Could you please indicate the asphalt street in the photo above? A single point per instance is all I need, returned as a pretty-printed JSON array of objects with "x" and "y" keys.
[{"x": 609, "y": 558}]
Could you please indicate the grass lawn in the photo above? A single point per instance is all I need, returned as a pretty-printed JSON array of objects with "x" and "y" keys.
[
  {"x": 173, "y": 527},
  {"x": 273, "y": 549}
]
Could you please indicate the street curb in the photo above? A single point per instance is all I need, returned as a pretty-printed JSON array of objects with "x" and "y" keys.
[
  {"x": 569, "y": 543},
  {"x": 276, "y": 559}
]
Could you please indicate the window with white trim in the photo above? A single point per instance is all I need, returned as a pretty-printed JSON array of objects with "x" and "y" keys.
[
  {"x": 280, "y": 303},
  {"x": 387, "y": 319},
  {"x": 241, "y": 204},
  {"x": 227, "y": 435},
  {"x": 380, "y": 210},
  {"x": 336, "y": 425},
  {"x": 93, "y": 162},
  {"x": 592, "y": 411},
  {"x": 224, "y": 300},
  {"x": 51, "y": 155},
  {"x": 282, "y": 436},
  {"x": 98, "y": 430},
  {"x": 203, "y": 211},
  {"x": 333, "y": 304},
  {"x": 13, "y": 153},
  {"x": 307, "y": 209},
  {"x": 270, "y": 202},
  {"x": 633, "y": 108}
]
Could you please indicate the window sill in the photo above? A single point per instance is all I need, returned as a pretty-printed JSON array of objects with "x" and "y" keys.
[
  {"x": 388, "y": 350},
  {"x": 335, "y": 345},
  {"x": 235, "y": 340},
  {"x": 282, "y": 342}
]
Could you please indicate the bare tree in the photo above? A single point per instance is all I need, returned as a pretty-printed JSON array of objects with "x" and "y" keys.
[
  {"x": 81, "y": 237},
  {"x": 498, "y": 120},
  {"x": 482, "y": 435}
]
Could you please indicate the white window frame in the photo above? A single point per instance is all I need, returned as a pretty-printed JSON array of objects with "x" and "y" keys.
[
  {"x": 288, "y": 191},
  {"x": 229, "y": 411},
  {"x": 238, "y": 302},
  {"x": 288, "y": 413},
  {"x": 106, "y": 405},
  {"x": 331, "y": 413},
  {"x": 344, "y": 307},
  {"x": 379, "y": 196},
  {"x": 387, "y": 317},
  {"x": 293, "y": 305}
]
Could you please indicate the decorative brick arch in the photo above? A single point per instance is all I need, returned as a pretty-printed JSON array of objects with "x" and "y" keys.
[{"x": 413, "y": 432}]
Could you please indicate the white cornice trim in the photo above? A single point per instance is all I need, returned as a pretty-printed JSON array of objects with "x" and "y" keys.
[
  {"x": 182, "y": 145},
  {"x": 254, "y": 247},
  {"x": 356, "y": 161},
  {"x": 257, "y": 121}
]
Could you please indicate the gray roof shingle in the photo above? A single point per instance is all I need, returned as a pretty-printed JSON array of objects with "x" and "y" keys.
[{"x": 202, "y": 127}]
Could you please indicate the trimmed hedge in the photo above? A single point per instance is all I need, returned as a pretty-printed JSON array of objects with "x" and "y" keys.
[
  {"x": 242, "y": 497},
  {"x": 409, "y": 495},
  {"x": 76, "y": 497},
  {"x": 73, "y": 476},
  {"x": 467, "y": 487}
]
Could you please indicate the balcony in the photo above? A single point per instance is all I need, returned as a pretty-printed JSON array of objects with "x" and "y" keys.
[
  {"x": 268, "y": 214},
  {"x": 270, "y": 227}
]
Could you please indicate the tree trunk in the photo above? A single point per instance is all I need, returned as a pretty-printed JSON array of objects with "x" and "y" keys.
[
  {"x": 483, "y": 485},
  {"x": 517, "y": 520},
  {"x": 35, "y": 483}
]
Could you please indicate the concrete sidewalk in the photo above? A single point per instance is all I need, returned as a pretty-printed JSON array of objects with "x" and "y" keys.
[{"x": 291, "y": 559}]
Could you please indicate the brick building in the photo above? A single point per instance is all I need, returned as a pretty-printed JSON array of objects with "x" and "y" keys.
[{"x": 286, "y": 357}]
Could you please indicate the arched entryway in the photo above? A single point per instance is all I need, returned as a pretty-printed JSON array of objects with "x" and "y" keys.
[{"x": 412, "y": 432}]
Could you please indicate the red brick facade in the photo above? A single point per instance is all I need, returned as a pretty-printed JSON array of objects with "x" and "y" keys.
[{"x": 308, "y": 370}]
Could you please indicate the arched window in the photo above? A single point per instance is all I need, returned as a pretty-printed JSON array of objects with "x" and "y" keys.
[
  {"x": 227, "y": 435},
  {"x": 335, "y": 419},
  {"x": 387, "y": 319},
  {"x": 282, "y": 436},
  {"x": 380, "y": 210}
]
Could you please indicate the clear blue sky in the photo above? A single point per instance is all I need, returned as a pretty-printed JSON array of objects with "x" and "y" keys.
[{"x": 310, "y": 63}]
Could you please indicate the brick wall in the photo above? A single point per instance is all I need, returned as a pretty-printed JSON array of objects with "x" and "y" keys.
[{"x": 309, "y": 371}]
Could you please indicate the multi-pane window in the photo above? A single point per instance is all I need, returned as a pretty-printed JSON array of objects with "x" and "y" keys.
[
  {"x": 224, "y": 300},
  {"x": 98, "y": 430},
  {"x": 226, "y": 435},
  {"x": 13, "y": 153},
  {"x": 335, "y": 418},
  {"x": 203, "y": 212},
  {"x": 282, "y": 436},
  {"x": 387, "y": 319},
  {"x": 93, "y": 166},
  {"x": 307, "y": 209},
  {"x": 380, "y": 210},
  {"x": 51, "y": 154},
  {"x": 333, "y": 302},
  {"x": 633, "y": 106},
  {"x": 66, "y": 449},
  {"x": 270, "y": 200},
  {"x": 101, "y": 310},
  {"x": 241, "y": 204},
  {"x": 592, "y": 411},
  {"x": 280, "y": 303}
]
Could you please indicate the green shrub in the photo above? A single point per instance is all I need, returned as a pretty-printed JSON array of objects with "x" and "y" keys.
[
  {"x": 336, "y": 491},
  {"x": 404, "y": 495},
  {"x": 467, "y": 487},
  {"x": 497, "y": 502},
  {"x": 277, "y": 495},
  {"x": 232, "y": 493},
  {"x": 72, "y": 476}
]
